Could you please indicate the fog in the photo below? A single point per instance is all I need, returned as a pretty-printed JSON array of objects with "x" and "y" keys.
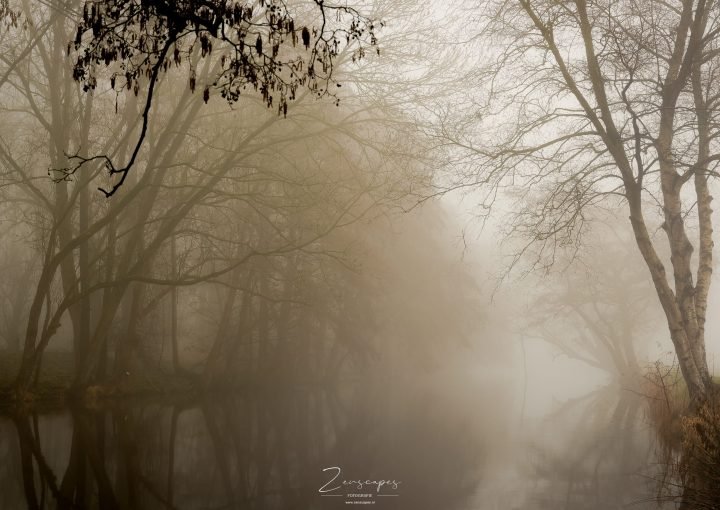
[{"x": 306, "y": 254}]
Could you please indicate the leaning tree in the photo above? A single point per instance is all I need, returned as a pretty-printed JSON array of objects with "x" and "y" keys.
[{"x": 593, "y": 103}]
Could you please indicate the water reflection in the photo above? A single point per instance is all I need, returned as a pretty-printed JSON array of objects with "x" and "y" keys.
[
  {"x": 593, "y": 453},
  {"x": 266, "y": 450},
  {"x": 449, "y": 445}
]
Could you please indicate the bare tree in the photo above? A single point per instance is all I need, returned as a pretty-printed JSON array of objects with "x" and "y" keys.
[
  {"x": 260, "y": 46},
  {"x": 598, "y": 308},
  {"x": 591, "y": 103},
  {"x": 209, "y": 198}
]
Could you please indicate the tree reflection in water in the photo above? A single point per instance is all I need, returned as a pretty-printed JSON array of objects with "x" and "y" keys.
[
  {"x": 264, "y": 451},
  {"x": 596, "y": 452},
  {"x": 447, "y": 443}
]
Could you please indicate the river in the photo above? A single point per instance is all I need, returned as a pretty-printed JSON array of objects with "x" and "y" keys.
[{"x": 428, "y": 441}]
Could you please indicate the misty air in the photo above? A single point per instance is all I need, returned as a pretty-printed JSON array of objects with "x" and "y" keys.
[{"x": 305, "y": 254}]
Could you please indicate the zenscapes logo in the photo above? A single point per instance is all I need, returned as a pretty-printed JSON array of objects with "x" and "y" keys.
[{"x": 357, "y": 491}]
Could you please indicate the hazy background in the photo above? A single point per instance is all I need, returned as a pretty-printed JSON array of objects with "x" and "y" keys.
[{"x": 272, "y": 293}]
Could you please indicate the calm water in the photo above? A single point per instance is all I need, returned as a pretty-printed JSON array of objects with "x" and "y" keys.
[{"x": 431, "y": 443}]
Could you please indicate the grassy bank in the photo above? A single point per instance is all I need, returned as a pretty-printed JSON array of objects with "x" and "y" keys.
[
  {"x": 154, "y": 380},
  {"x": 689, "y": 438},
  {"x": 53, "y": 380},
  {"x": 57, "y": 372},
  {"x": 668, "y": 401}
]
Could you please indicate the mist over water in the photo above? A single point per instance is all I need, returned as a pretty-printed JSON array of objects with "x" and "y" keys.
[
  {"x": 451, "y": 439},
  {"x": 311, "y": 254},
  {"x": 478, "y": 418}
]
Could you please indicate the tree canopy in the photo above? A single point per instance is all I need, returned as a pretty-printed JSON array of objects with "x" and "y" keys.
[
  {"x": 589, "y": 104},
  {"x": 262, "y": 47}
]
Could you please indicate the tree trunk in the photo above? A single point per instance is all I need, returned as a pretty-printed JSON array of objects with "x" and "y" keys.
[
  {"x": 694, "y": 375},
  {"x": 174, "y": 310}
]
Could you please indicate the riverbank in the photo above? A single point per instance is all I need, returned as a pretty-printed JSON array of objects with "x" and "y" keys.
[
  {"x": 690, "y": 439},
  {"x": 52, "y": 386}
]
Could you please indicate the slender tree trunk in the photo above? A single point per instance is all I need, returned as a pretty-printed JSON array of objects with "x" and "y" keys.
[
  {"x": 264, "y": 360},
  {"x": 213, "y": 372},
  {"x": 82, "y": 335},
  {"x": 692, "y": 374},
  {"x": 171, "y": 456},
  {"x": 88, "y": 372},
  {"x": 31, "y": 353},
  {"x": 174, "y": 310}
]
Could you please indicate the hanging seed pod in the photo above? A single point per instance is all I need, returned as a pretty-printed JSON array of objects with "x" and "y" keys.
[{"x": 306, "y": 37}]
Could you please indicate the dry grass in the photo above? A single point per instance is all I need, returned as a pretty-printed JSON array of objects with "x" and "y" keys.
[
  {"x": 700, "y": 465},
  {"x": 690, "y": 440},
  {"x": 668, "y": 403}
]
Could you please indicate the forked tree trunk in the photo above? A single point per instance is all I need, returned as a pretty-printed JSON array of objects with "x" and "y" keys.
[
  {"x": 688, "y": 339},
  {"x": 683, "y": 300}
]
